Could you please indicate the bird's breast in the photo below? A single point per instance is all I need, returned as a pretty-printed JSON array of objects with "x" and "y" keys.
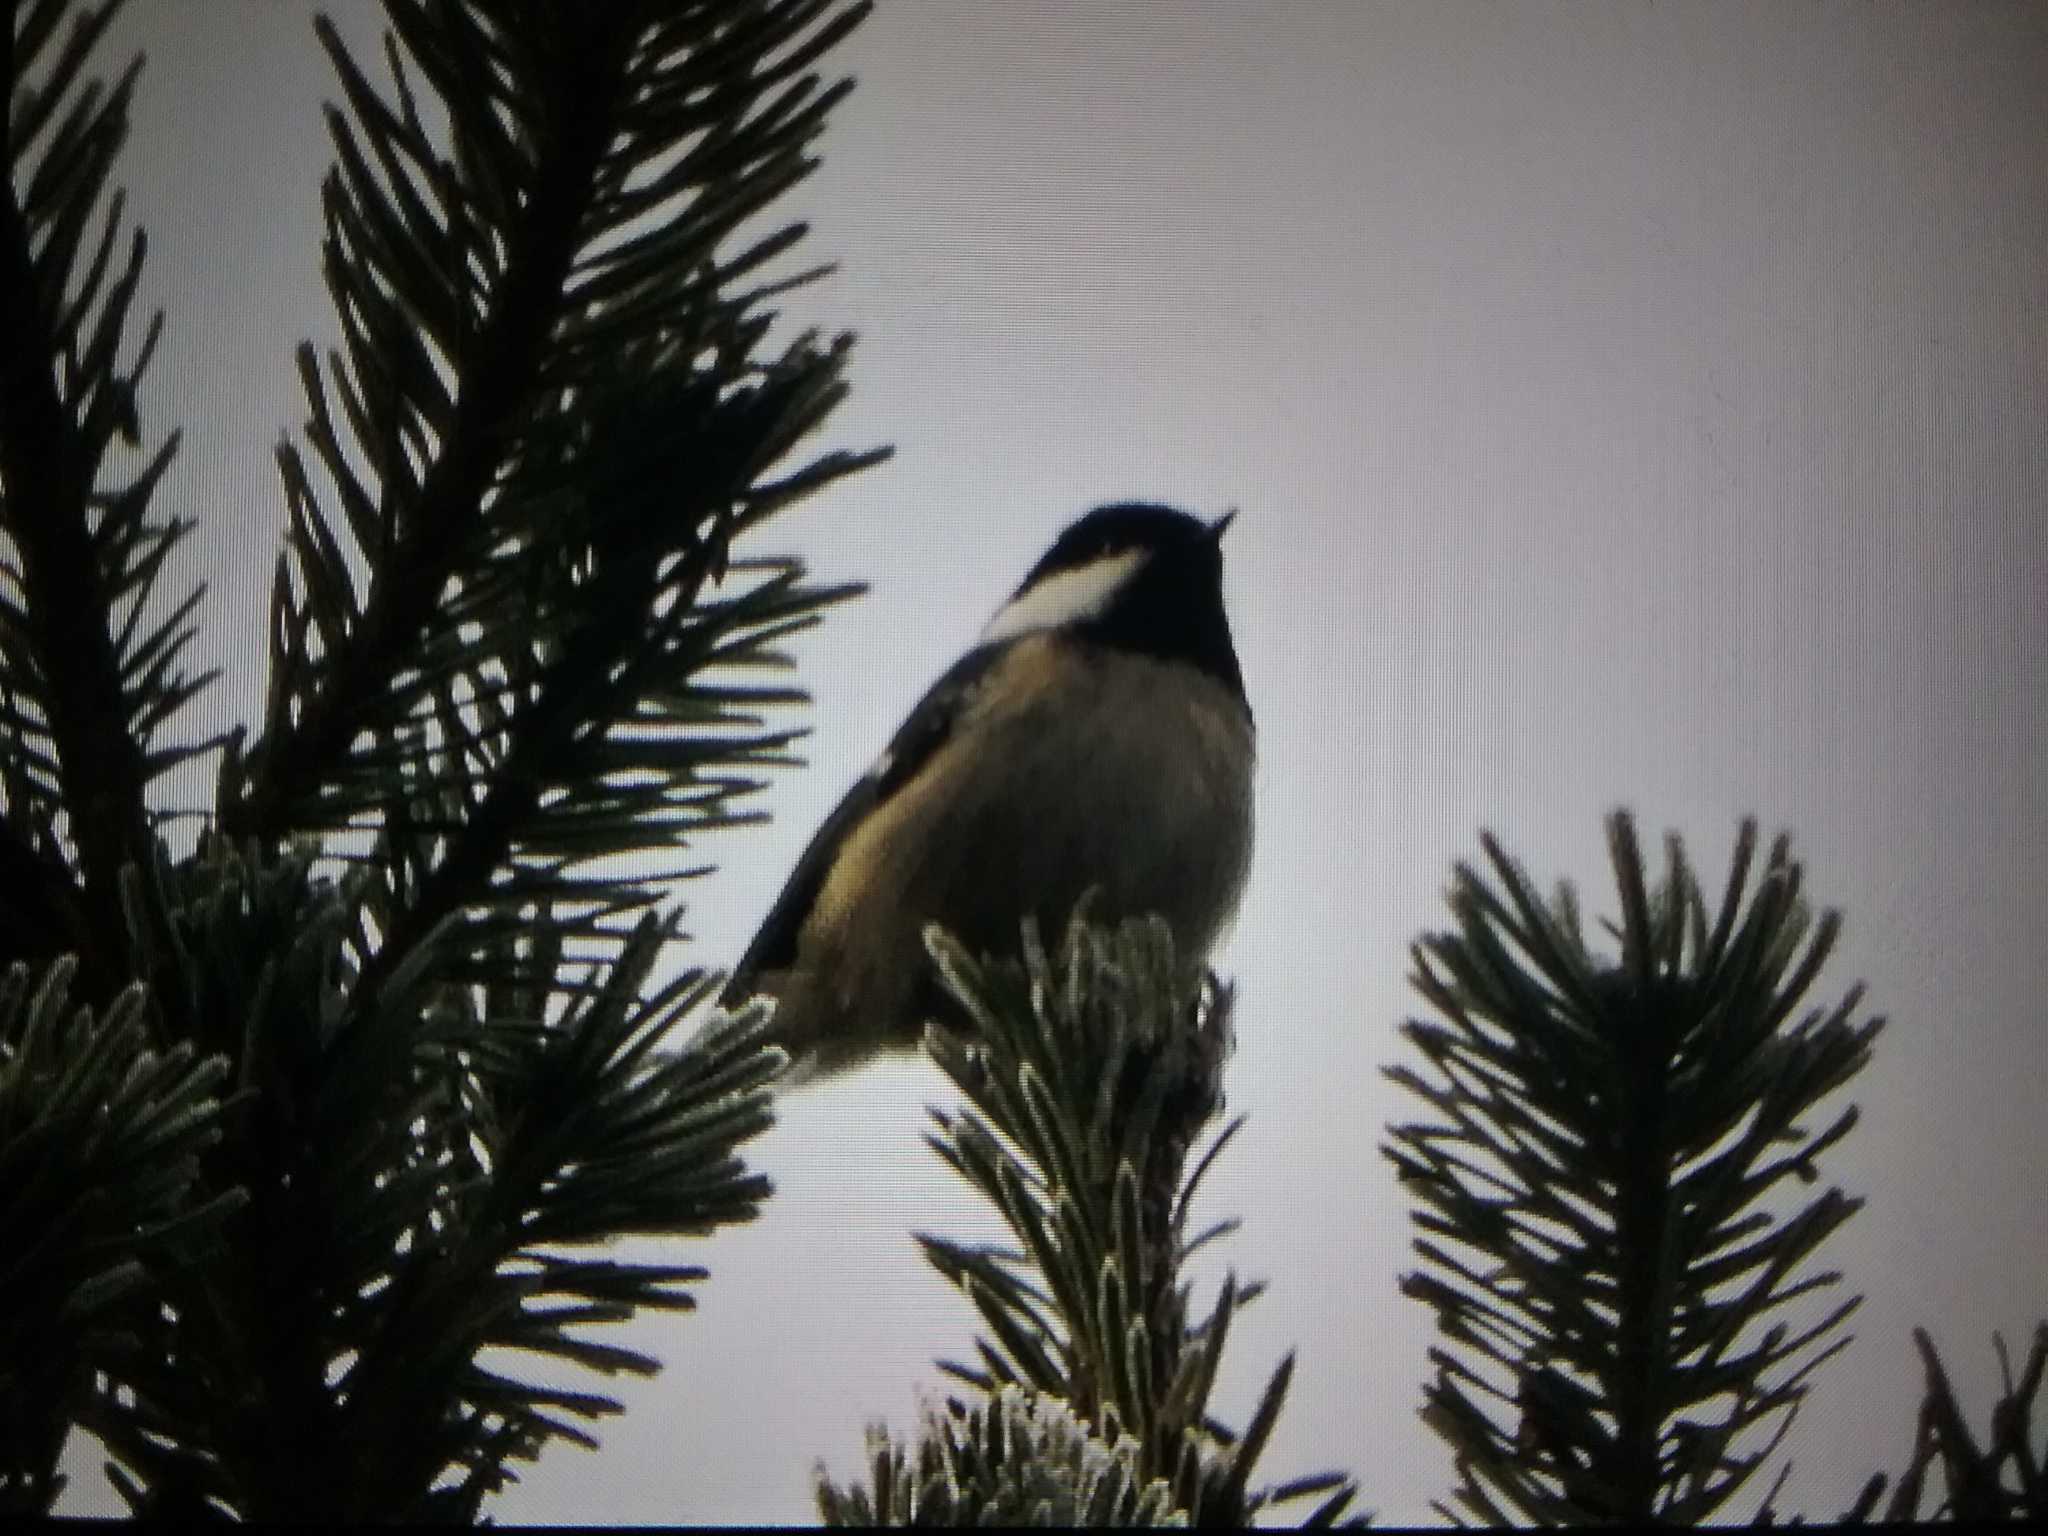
[
  {"x": 1072, "y": 768},
  {"x": 1129, "y": 773}
]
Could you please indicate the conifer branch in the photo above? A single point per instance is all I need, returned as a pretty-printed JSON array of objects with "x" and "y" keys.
[
  {"x": 1599, "y": 1250},
  {"x": 511, "y": 643},
  {"x": 1090, "y": 1079},
  {"x": 429, "y": 1188},
  {"x": 496, "y": 656},
  {"x": 100, "y": 1144},
  {"x": 2006, "y": 1478},
  {"x": 89, "y": 671},
  {"x": 1015, "y": 1459}
]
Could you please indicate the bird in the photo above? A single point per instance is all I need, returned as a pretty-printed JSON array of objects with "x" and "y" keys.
[{"x": 1096, "y": 739}]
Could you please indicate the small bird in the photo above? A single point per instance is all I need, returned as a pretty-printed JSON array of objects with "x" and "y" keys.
[{"x": 1097, "y": 735}]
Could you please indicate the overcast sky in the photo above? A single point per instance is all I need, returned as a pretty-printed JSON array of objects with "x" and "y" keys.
[{"x": 1627, "y": 404}]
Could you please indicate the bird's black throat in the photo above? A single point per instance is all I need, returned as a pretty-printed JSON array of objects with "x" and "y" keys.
[{"x": 1172, "y": 610}]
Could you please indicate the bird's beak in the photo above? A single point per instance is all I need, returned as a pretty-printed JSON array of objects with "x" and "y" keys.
[{"x": 1216, "y": 528}]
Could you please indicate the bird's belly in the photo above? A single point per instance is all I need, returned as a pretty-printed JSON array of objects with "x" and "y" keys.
[{"x": 1156, "y": 817}]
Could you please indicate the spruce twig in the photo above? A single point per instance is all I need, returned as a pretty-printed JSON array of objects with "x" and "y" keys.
[
  {"x": 1617, "y": 1278},
  {"x": 100, "y": 1143},
  {"x": 2006, "y": 1478},
  {"x": 90, "y": 659},
  {"x": 518, "y": 639},
  {"x": 1091, "y": 1079}
]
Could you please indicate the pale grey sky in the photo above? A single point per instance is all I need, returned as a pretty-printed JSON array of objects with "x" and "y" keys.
[{"x": 1628, "y": 403}]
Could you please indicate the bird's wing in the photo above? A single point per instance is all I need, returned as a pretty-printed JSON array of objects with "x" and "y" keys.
[{"x": 921, "y": 734}]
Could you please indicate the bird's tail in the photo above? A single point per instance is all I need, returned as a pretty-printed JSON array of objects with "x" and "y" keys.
[
  {"x": 823, "y": 1037},
  {"x": 787, "y": 1029}
]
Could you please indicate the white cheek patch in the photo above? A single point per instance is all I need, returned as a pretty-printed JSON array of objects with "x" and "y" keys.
[{"x": 1081, "y": 593}]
